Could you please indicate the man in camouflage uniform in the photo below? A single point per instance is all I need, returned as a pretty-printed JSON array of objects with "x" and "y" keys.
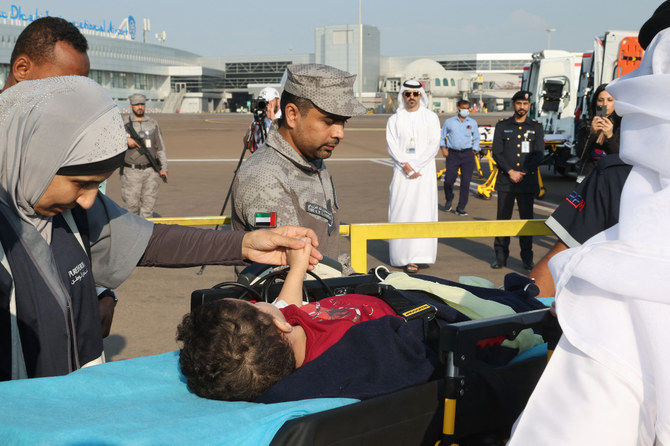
[
  {"x": 139, "y": 181},
  {"x": 287, "y": 175}
]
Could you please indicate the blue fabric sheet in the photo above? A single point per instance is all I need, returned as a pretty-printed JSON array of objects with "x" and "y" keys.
[
  {"x": 141, "y": 401},
  {"x": 538, "y": 350}
]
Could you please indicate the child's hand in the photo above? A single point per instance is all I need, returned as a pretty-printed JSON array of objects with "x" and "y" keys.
[
  {"x": 299, "y": 258},
  {"x": 298, "y": 261}
]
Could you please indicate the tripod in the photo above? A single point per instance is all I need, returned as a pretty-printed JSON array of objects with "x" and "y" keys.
[{"x": 250, "y": 144}]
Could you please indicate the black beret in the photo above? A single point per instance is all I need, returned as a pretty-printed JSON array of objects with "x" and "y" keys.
[
  {"x": 522, "y": 96},
  {"x": 656, "y": 23}
]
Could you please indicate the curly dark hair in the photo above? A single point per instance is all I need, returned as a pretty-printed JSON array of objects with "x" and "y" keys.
[
  {"x": 232, "y": 351},
  {"x": 38, "y": 39}
]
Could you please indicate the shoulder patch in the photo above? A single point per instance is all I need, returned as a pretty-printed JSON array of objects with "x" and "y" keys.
[{"x": 576, "y": 200}]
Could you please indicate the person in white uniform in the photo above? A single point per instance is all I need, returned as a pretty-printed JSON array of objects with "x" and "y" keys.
[
  {"x": 609, "y": 380},
  {"x": 413, "y": 139}
]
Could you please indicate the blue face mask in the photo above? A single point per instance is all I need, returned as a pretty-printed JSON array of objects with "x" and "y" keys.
[{"x": 464, "y": 112}]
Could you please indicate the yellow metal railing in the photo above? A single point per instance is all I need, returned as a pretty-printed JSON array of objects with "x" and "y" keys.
[{"x": 361, "y": 233}]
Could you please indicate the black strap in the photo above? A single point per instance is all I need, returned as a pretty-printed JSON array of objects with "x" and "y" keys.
[
  {"x": 403, "y": 307},
  {"x": 142, "y": 148}
]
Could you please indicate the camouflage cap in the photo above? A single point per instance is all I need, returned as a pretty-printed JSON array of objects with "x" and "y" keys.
[
  {"x": 137, "y": 98},
  {"x": 328, "y": 88}
]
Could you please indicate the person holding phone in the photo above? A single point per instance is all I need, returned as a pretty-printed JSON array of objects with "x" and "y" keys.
[{"x": 603, "y": 136}]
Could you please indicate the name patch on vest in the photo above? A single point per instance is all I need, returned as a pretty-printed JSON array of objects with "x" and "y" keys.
[
  {"x": 323, "y": 213},
  {"x": 77, "y": 273}
]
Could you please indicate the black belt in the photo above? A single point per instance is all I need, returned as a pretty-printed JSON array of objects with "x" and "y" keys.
[
  {"x": 460, "y": 150},
  {"x": 137, "y": 166}
]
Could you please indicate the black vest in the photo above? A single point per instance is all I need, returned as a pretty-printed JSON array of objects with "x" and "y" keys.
[{"x": 56, "y": 339}]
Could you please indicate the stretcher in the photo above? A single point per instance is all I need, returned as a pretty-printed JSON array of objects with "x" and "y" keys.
[
  {"x": 466, "y": 402},
  {"x": 146, "y": 401}
]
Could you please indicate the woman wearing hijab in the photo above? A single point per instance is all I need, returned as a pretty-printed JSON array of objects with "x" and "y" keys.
[
  {"x": 603, "y": 137},
  {"x": 59, "y": 238}
]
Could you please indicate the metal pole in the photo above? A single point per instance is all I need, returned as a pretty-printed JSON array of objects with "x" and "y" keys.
[
  {"x": 360, "y": 52},
  {"x": 549, "y": 31}
]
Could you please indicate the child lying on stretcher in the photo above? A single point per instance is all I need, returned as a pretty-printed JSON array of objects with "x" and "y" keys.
[{"x": 235, "y": 350}]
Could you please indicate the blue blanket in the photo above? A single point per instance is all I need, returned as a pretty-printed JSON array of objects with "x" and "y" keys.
[
  {"x": 141, "y": 401},
  {"x": 373, "y": 358}
]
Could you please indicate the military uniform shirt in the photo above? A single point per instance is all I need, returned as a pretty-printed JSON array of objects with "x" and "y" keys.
[
  {"x": 150, "y": 130},
  {"x": 276, "y": 178},
  {"x": 518, "y": 146}
]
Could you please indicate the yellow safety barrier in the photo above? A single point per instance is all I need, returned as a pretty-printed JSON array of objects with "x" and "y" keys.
[{"x": 361, "y": 233}]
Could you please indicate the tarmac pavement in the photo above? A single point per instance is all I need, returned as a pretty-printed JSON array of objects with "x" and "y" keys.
[{"x": 203, "y": 151}]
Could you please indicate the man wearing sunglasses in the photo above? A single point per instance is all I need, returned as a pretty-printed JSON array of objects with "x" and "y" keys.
[{"x": 413, "y": 139}]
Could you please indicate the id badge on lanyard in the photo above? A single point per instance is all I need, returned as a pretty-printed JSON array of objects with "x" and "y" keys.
[{"x": 411, "y": 147}]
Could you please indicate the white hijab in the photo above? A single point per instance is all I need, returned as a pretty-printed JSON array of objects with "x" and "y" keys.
[
  {"x": 48, "y": 124},
  {"x": 418, "y": 87}
]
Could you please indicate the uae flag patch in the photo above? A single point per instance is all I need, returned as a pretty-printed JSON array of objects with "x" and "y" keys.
[{"x": 266, "y": 220}]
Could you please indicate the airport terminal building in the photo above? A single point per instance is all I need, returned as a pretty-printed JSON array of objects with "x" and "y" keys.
[{"x": 180, "y": 81}]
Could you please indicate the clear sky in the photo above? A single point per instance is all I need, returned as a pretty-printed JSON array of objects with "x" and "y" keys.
[{"x": 408, "y": 28}]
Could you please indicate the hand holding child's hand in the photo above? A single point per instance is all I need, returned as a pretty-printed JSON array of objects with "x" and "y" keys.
[
  {"x": 299, "y": 258},
  {"x": 298, "y": 262}
]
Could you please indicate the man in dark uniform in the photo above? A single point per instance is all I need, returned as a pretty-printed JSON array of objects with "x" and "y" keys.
[
  {"x": 518, "y": 149},
  {"x": 589, "y": 209}
]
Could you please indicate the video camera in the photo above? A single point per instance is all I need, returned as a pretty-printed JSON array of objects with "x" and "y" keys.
[{"x": 258, "y": 107}]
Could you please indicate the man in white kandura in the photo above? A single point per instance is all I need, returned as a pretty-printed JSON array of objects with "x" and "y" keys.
[
  {"x": 608, "y": 378},
  {"x": 413, "y": 139}
]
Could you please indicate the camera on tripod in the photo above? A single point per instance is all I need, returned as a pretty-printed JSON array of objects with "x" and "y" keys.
[{"x": 258, "y": 107}]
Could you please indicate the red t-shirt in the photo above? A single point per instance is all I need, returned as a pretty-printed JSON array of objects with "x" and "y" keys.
[{"x": 327, "y": 320}]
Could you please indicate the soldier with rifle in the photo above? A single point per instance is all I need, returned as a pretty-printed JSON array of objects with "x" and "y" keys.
[{"x": 145, "y": 162}]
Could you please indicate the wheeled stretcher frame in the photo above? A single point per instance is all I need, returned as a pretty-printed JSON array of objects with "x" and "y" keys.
[{"x": 473, "y": 402}]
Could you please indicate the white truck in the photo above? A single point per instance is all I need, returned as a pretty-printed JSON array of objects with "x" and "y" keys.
[
  {"x": 553, "y": 79},
  {"x": 614, "y": 54}
]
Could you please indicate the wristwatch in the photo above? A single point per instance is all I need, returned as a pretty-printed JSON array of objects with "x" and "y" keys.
[{"x": 107, "y": 292}]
